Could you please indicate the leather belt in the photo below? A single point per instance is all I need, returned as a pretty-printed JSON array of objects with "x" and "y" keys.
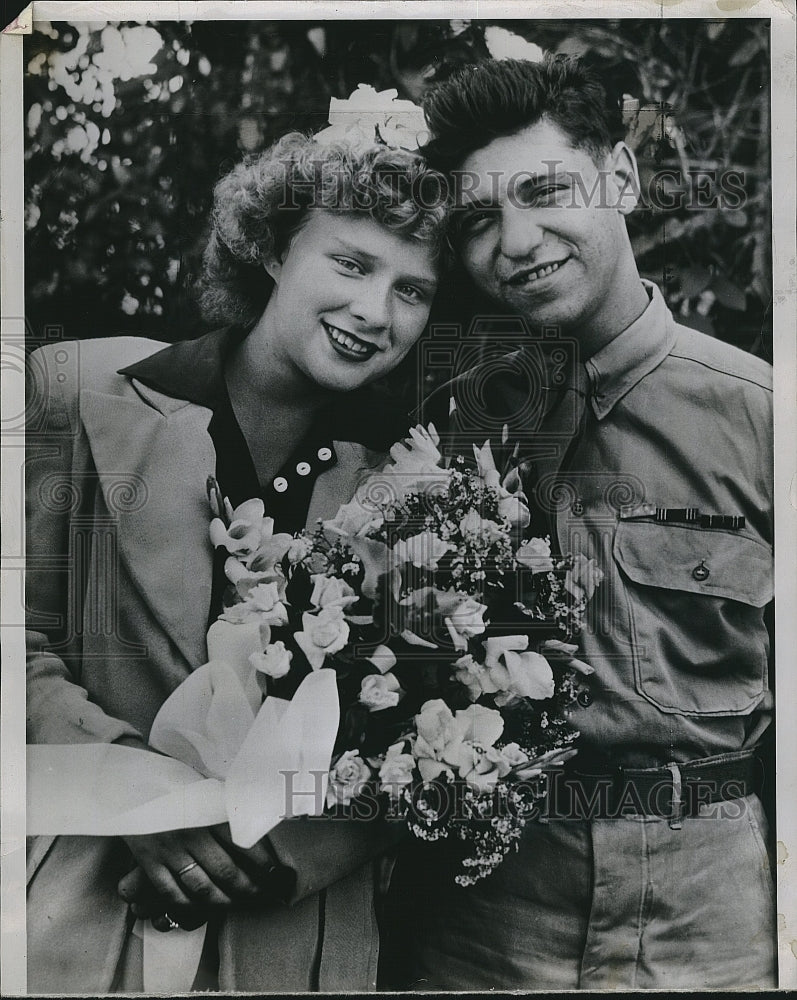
[{"x": 584, "y": 790}]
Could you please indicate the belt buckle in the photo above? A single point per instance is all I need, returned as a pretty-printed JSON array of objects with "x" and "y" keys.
[
  {"x": 677, "y": 809},
  {"x": 647, "y": 797}
]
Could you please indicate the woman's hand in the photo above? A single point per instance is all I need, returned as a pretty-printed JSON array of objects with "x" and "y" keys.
[{"x": 192, "y": 874}]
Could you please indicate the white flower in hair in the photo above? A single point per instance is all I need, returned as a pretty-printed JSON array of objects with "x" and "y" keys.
[
  {"x": 370, "y": 116},
  {"x": 504, "y": 44}
]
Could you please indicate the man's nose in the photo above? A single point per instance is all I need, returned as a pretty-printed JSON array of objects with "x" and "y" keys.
[{"x": 521, "y": 232}]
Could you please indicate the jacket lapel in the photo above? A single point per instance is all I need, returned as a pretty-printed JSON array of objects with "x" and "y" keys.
[{"x": 160, "y": 446}]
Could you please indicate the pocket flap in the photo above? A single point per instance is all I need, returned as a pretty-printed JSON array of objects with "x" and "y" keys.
[{"x": 700, "y": 560}]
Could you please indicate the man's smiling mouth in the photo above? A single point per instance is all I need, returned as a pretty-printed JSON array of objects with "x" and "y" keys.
[
  {"x": 348, "y": 346},
  {"x": 527, "y": 275}
]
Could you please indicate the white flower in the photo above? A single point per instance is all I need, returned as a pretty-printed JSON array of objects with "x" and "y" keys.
[
  {"x": 275, "y": 661},
  {"x": 357, "y": 516},
  {"x": 424, "y": 550},
  {"x": 515, "y": 510},
  {"x": 418, "y": 452},
  {"x": 330, "y": 591},
  {"x": 485, "y": 465},
  {"x": 447, "y": 743},
  {"x": 383, "y": 658},
  {"x": 482, "y": 767},
  {"x": 503, "y": 44},
  {"x": 474, "y": 676},
  {"x": 347, "y": 778},
  {"x": 246, "y": 581},
  {"x": 322, "y": 635},
  {"x": 513, "y": 754},
  {"x": 265, "y": 598},
  {"x": 466, "y": 621},
  {"x": 583, "y": 578},
  {"x": 517, "y": 672},
  {"x": 536, "y": 555},
  {"x": 416, "y": 465},
  {"x": 396, "y": 771},
  {"x": 368, "y": 116},
  {"x": 299, "y": 549},
  {"x": 472, "y": 524},
  {"x": 244, "y": 532},
  {"x": 379, "y": 691}
]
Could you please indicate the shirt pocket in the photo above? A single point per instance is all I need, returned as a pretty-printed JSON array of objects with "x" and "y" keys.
[{"x": 695, "y": 602}]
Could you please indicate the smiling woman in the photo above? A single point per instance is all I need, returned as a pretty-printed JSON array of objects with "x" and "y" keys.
[
  {"x": 350, "y": 300},
  {"x": 323, "y": 264},
  {"x": 261, "y": 203}
]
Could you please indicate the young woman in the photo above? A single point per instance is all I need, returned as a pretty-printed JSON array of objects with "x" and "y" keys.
[{"x": 322, "y": 264}]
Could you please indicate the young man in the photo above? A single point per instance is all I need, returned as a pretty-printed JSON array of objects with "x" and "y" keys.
[{"x": 648, "y": 447}]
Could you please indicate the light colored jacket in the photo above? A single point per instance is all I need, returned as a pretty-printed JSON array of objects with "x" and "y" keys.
[{"x": 118, "y": 590}]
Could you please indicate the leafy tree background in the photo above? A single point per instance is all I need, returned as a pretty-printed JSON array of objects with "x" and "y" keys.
[{"x": 130, "y": 125}]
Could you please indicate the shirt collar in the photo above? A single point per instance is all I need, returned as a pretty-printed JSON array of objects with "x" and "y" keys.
[
  {"x": 626, "y": 360},
  {"x": 190, "y": 369}
]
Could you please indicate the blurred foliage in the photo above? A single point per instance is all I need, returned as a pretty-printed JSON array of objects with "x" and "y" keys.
[{"x": 130, "y": 125}]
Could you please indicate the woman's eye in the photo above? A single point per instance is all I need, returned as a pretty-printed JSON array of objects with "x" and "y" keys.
[{"x": 410, "y": 292}]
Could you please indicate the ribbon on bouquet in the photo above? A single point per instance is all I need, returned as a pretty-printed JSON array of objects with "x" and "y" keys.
[{"x": 229, "y": 758}]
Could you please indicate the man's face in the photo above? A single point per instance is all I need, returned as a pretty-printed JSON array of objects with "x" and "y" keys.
[
  {"x": 351, "y": 298},
  {"x": 542, "y": 230}
]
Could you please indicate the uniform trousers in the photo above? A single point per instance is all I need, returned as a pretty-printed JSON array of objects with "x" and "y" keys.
[{"x": 625, "y": 903}]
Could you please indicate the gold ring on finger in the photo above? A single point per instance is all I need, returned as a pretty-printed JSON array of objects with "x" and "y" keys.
[{"x": 187, "y": 868}]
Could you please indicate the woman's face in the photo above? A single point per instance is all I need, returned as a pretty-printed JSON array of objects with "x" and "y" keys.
[{"x": 350, "y": 299}]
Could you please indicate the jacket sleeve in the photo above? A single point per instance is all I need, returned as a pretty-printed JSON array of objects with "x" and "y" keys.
[
  {"x": 57, "y": 488},
  {"x": 315, "y": 852}
]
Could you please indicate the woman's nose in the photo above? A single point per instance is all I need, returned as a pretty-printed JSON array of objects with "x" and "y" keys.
[
  {"x": 521, "y": 232},
  {"x": 372, "y": 305}
]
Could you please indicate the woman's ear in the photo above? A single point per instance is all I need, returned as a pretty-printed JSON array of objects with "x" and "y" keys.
[
  {"x": 273, "y": 268},
  {"x": 625, "y": 176}
]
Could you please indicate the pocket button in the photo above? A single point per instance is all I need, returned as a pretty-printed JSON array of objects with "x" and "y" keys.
[
  {"x": 585, "y": 698},
  {"x": 701, "y": 572}
]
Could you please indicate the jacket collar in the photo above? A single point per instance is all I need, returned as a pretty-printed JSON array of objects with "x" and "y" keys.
[{"x": 619, "y": 366}]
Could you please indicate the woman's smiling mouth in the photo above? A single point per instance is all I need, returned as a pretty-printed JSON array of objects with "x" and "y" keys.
[{"x": 347, "y": 345}]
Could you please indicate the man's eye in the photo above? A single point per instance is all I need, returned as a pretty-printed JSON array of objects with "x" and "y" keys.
[
  {"x": 546, "y": 193},
  {"x": 475, "y": 222},
  {"x": 348, "y": 264}
]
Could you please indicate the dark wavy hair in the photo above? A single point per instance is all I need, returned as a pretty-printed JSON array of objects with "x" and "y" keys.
[
  {"x": 492, "y": 99},
  {"x": 262, "y": 201}
]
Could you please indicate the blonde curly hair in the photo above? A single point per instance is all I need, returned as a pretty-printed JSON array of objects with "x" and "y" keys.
[{"x": 262, "y": 201}]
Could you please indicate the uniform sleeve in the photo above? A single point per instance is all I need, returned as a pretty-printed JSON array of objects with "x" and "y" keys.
[{"x": 58, "y": 708}]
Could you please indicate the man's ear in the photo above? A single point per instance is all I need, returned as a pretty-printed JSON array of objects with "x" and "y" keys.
[
  {"x": 624, "y": 176},
  {"x": 273, "y": 268}
]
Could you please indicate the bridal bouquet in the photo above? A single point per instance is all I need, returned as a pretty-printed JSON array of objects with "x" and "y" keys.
[{"x": 449, "y": 634}]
